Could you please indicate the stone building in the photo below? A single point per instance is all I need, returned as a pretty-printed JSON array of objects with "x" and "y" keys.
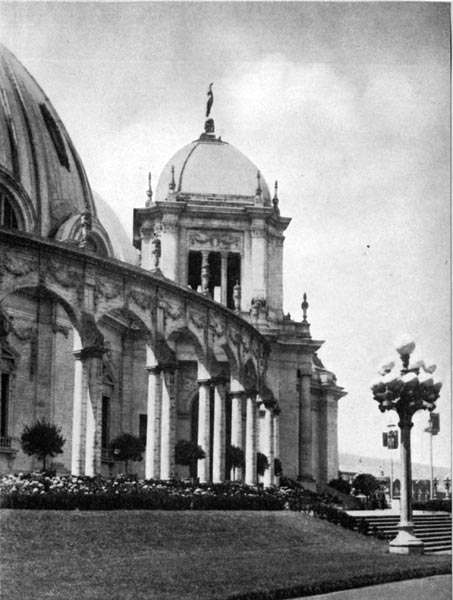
[{"x": 182, "y": 337}]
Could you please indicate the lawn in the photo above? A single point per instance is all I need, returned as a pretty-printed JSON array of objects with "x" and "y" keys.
[{"x": 188, "y": 555}]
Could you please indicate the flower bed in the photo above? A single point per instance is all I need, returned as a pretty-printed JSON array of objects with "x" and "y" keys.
[{"x": 41, "y": 491}]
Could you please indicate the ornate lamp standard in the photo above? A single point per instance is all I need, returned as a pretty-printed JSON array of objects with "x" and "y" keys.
[
  {"x": 406, "y": 392},
  {"x": 447, "y": 482}
]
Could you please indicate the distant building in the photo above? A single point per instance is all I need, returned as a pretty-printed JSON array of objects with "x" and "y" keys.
[{"x": 183, "y": 337}]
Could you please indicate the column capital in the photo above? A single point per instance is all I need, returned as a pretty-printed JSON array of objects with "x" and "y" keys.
[
  {"x": 205, "y": 382},
  {"x": 153, "y": 368},
  {"x": 89, "y": 352},
  {"x": 240, "y": 394}
]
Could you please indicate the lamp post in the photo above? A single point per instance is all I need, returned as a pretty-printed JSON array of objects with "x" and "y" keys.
[
  {"x": 447, "y": 482},
  {"x": 435, "y": 485},
  {"x": 406, "y": 392}
]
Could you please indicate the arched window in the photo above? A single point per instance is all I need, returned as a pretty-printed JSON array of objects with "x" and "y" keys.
[{"x": 8, "y": 216}]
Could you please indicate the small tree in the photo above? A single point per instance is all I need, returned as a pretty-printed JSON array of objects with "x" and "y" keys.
[
  {"x": 278, "y": 468},
  {"x": 262, "y": 463},
  {"x": 187, "y": 454},
  {"x": 366, "y": 484},
  {"x": 235, "y": 458},
  {"x": 340, "y": 485},
  {"x": 127, "y": 447},
  {"x": 42, "y": 439}
]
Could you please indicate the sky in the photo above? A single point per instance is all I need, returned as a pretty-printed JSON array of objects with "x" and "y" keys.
[{"x": 347, "y": 105}]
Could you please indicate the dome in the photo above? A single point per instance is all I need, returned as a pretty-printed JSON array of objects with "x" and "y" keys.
[
  {"x": 41, "y": 173},
  {"x": 211, "y": 169},
  {"x": 121, "y": 244}
]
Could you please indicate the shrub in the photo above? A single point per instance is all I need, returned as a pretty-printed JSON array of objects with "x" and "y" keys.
[
  {"x": 341, "y": 485},
  {"x": 366, "y": 484},
  {"x": 234, "y": 458},
  {"x": 278, "y": 469},
  {"x": 187, "y": 453},
  {"x": 262, "y": 463},
  {"x": 42, "y": 439},
  {"x": 127, "y": 447}
]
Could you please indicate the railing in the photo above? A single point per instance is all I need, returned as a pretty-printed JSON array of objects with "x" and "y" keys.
[{"x": 5, "y": 442}]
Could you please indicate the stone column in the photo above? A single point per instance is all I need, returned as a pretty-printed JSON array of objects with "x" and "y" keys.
[
  {"x": 170, "y": 247},
  {"x": 315, "y": 440},
  {"x": 93, "y": 415},
  {"x": 268, "y": 446},
  {"x": 218, "y": 449},
  {"x": 250, "y": 441},
  {"x": 259, "y": 259},
  {"x": 153, "y": 427},
  {"x": 79, "y": 415},
  {"x": 205, "y": 272},
  {"x": 203, "y": 429},
  {"x": 277, "y": 435},
  {"x": 224, "y": 279},
  {"x": 332, "y": 436},
  {"x": 146, "y": 235},
  {"x": 168, "y": 425},
  {"x": 236, "y": 429},
  {"x": 305, "y": 425}
]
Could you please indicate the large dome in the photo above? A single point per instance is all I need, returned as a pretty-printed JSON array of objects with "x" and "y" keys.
[
  {"x": 210, "y": 168},
  {"x": 38, "y": 162}
]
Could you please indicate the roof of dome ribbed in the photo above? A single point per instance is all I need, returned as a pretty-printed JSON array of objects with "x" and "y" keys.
[
  {"x": 37, "y": 152},
  {"x": 210, "y": 167}
]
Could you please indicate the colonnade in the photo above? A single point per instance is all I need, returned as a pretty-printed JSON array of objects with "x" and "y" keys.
[{"x": 259, "y": 432}]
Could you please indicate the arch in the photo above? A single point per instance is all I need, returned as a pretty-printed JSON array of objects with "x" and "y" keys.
[
  {"x": 86, "y": 231},
  {"x": 232, "y": 360},
  {"x": 184, "y": 334},
  {"x": 39, "y": 291},
  {"x": 126, "y": 319},
  {"x": 19, "y": 201}
]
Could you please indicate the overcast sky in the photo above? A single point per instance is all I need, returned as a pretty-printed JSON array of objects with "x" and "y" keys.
[{"x": 346, "y": 105}]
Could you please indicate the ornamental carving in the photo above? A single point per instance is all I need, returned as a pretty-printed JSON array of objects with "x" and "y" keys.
[
  {"x": 24, "y": 334},
  {"x": 15, "y": 265},
  {"x": 258, "y": 232},
  {"x": 106, "y": 290},
  {"x": 65, "y": 276},
  {"x": 172, "y": 309},
  {"x": 141, "y": 299},
  {"x": 57, "y": 328},
  {"x": 235, "y": 336},
  {"x": 217, "y": 326},
  {"x": 199, "y": 320},
  {"x": 215, "y": 240}
]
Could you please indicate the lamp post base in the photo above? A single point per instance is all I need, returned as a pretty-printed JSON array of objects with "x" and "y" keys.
[{"x": 405, "y": 542}]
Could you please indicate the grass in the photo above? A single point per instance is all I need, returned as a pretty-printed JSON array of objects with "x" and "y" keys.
[{"x": 133, "y": 555}]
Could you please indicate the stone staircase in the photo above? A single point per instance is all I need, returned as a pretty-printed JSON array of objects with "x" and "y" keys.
[{"x": 433, "y": 529}]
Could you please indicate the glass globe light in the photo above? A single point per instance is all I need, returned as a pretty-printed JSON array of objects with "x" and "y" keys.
[{"x": 405, "y": 345}]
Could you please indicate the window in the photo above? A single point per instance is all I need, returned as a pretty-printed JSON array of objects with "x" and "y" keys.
[
  {"x": 105, "y": 428},
  {"x": 4, "y": 404},
  {"x": 8, "y": 217},
  {"x": 55, "y": 134},
  {"x": 142, "y": 426}
]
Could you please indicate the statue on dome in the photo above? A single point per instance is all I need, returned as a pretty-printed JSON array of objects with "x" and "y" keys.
[{"x": 210, "y": 100}]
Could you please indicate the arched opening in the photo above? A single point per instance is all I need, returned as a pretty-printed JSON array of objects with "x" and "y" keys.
[{"x": 8, "y": 216}]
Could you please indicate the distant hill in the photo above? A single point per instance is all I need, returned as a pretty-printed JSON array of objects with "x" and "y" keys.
[{"x": 366, "y": 464}]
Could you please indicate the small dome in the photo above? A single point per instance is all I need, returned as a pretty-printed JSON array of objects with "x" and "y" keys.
[
  {"x": 209, "y": 168},
  {"x": 40, "y": 170}
]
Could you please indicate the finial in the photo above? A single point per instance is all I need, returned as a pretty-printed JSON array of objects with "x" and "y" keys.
[
  {"x": 172, "y": 185},
  {"x": 305, "y": 306},
  {"x": 258, "y": 189},
  {"x": 149, "y": 191},
  {"x": 210, "y": 100},
  {"x": 275, "y": 198}
]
